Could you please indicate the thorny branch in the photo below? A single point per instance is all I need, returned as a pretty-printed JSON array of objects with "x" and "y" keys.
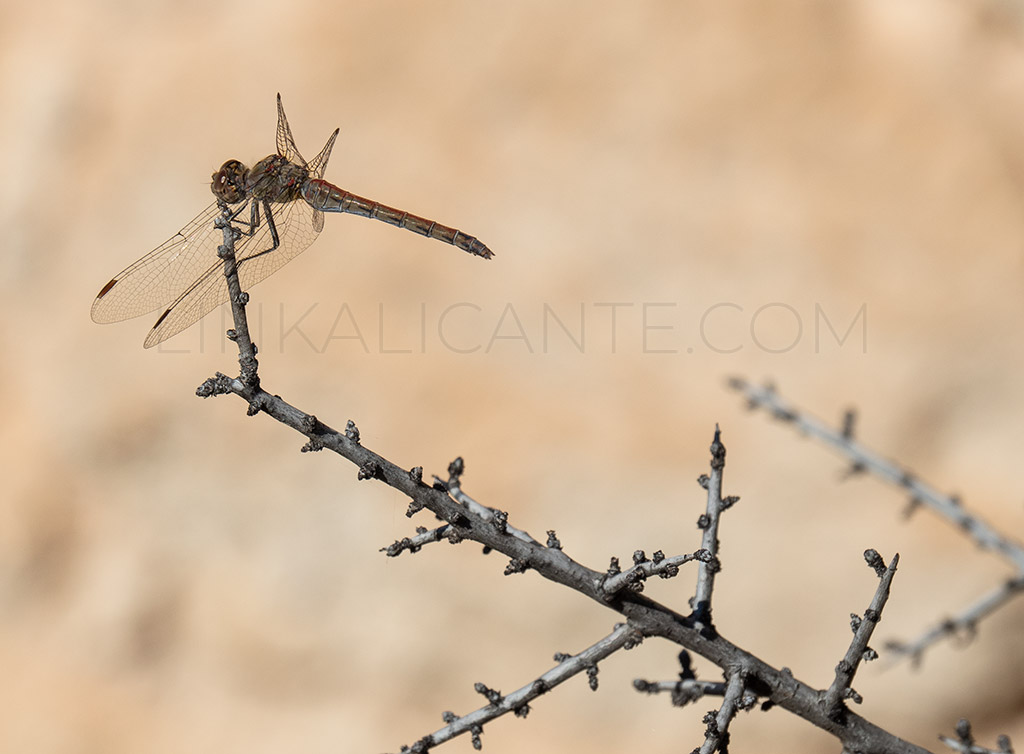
[
  {"x": 949, "y": 507},
  {"x": 748, "y": 677}
]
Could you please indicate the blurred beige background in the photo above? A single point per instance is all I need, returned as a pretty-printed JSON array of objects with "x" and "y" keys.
[{"x": 175, "y": 576}]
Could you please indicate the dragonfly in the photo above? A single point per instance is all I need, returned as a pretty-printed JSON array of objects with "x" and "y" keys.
[{"x": 286, "y": 198}]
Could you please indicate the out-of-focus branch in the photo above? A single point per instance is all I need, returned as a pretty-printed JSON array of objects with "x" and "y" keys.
[
  {"x": 949, "y": 507},
  {"x": 964, "y": 742},
  {"x": 963, "y": 624},
  {"x": 863, "y": 459}
]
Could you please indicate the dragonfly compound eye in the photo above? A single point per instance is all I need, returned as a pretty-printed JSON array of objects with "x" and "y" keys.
[{"x": 229, "y": 182}]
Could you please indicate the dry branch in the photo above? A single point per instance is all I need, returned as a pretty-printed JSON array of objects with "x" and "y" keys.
[
  {"x": 747, "y": 677},
  {"x": 921, "y": 494}
]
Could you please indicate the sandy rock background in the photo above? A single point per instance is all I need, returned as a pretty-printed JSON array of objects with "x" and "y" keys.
[{"x": 175, "y": 576}]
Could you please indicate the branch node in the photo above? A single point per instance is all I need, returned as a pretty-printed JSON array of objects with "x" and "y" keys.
[
  {"x": 492, "y": 696},
  {"x": 370, "y": 470},
  {"x": 352, "y": 431},
  {"x": 313, "y": 446},
  {"x": 729, "y": 501},
  {"x": 217, "y": 385},
  {"x": 849, "y": 421},
  {"x": 717, "y": 451},
  {"x": 873, "y": 559},
  {"x": 912, "y": 506},
  {"x": 499, "y": 520},
  {"x": 515, "y": 565}
]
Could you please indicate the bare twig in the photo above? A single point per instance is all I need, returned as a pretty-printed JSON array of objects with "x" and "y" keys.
[
  {"x": 841, "y": 688},
  {"x": 644, "y": 568},
  {"x": 423, "y": 537},
  {"x": 238, "y": 298},
  {"x": 690, "y": 690},
  {"x": 710, "y": 565},
  {"x": 623, "y": 637},
  {"x": 716, "y": 737}
]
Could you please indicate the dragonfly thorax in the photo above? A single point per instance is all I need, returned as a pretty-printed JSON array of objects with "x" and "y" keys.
[
  {"x": 272, "y": 179},
  {"x": 276, "y": 179}
]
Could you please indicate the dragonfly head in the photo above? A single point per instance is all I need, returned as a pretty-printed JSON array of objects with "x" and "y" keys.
[{"x": 229, "y": 182}]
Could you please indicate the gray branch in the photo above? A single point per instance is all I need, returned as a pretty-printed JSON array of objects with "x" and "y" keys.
[
  {"x": 490, "y": 527},
  {"x": 660, "y": 566},
  {"x": 623, "y": 637},
  {"x": 964, "y": 742},
  {"x": 711, "y": 565},
  {"x": 858, "y": 651},
  {"x": 717, "y": 736},
  {"x": 949, "y": 507},
  {"x": 690, "y": 690},
  {"x": 962, "y": 624}
]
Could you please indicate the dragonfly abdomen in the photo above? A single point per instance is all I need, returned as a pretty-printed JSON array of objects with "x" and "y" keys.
[{"x": 327, "y": 197}]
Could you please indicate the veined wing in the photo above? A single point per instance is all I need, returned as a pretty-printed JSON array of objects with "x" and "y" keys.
[
  {"x": 297, "y": 229},
  {"x": 162, "y": 274}
]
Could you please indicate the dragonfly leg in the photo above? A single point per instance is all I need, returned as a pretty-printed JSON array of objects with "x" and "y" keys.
[
  {"x": 250, "y": 225},
  {"x": 270, "y": 224}
]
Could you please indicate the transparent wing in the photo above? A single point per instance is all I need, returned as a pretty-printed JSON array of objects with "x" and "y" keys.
[
  {"x": 297, "y": 229},
  {"x": 318, "y": 164},
  {"x": 287, "y": 149},
  {"x": 285, "y": 143},
  {"x": 162, "y": 274}
]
